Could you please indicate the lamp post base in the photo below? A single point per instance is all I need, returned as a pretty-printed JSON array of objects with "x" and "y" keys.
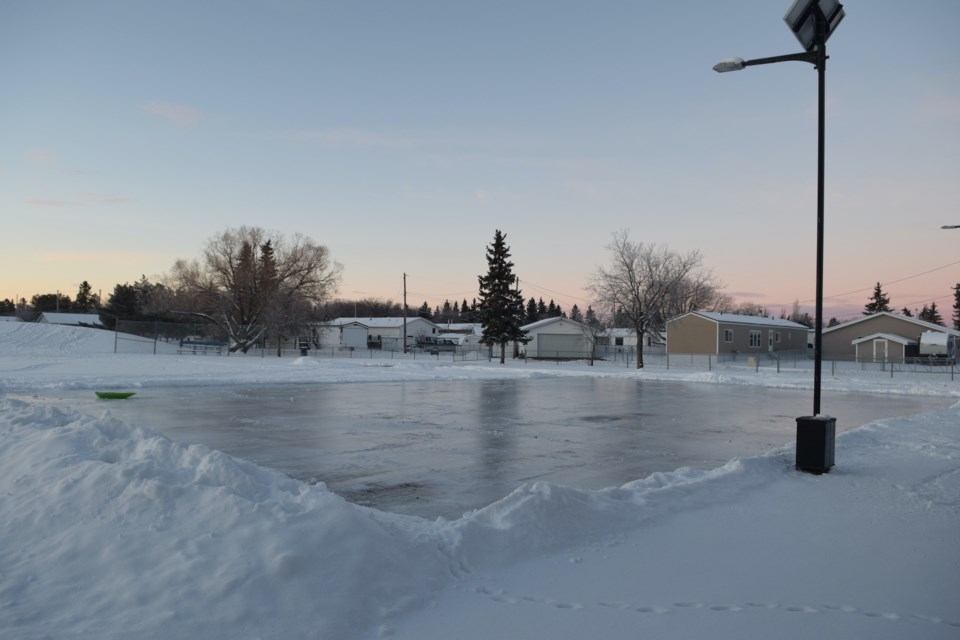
[{"x": 815, "y": 443}]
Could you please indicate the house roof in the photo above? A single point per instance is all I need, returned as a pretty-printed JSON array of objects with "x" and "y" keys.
[
  {"x": 374, "y": 323},
  {"x": 540, "y": 323},
  {"x": 735, "y": 318},
  {"x": 920, "y": 323},
  {"x": 885, "y": 336},
  {"x": 70, "y": 318}
]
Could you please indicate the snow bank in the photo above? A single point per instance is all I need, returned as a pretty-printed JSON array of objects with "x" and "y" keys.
[{"x": 112, "y": 531}]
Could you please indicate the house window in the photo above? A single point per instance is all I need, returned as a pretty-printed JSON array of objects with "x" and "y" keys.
[
  {"x": 618, "y": 342},
  {"x": 754, "y": 338},
  {"x": 728, "y": 335},
  {"x": 776, "y": 337}
]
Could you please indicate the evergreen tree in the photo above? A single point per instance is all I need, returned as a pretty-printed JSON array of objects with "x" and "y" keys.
[
  {"x": 446, "y": 314},
  {"x": 465, "y": 315},
  {"x": 956, "y": 306},
  {"x": 906, "y": 312},
  {"x": 833, "y": 322},
  {"x": 591, "y": 316},
  {"x": 50, "y": 302},
  {"x": 424, "y": 311},
  {"x": 879, "y": 301},
  {"x": 552, "y": 310},
  {"x": 501, "y": 305},
  {"x": 541, "y": 310},
  {"x": 930, "y": 314},
  {"x": 122, "y": 304},
  {"x": 85, "y": 299},
  {"x": 532, "y": 315},
  {"x": 575, "y": 314}
]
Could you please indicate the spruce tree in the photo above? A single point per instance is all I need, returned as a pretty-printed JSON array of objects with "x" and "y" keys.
[
  {"x": 424, "y": 311},
  {"x": 879, "y": 301},
  {"x": 591, "y": 316},
  {"x": 85, "y": 299},
  {"x": 956, "y": 306},
  {"x": 532, "y": 315},
  {"x": 575, "y": 314},
  {"x": 501, "y": 305},
  {"x": 906, "y": 312},
  {"x": 931, "y": 314}
]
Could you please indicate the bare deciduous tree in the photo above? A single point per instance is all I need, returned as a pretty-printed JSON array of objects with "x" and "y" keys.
[
  {"x": 250, "y": 281},
  {"x": 650, "y": 283}
]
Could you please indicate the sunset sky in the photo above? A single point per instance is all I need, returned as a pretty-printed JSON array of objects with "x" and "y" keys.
[{"x": 401, "y": 135}]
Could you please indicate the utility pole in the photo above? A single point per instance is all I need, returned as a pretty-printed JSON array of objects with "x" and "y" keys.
[{"x": 404, "y": 313}]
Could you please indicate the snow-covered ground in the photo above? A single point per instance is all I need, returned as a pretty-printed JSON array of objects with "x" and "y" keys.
[{"x": 109, "y": 530}]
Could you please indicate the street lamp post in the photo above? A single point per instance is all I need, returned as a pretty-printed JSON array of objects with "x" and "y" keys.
[{"x": 812, "y": 22}]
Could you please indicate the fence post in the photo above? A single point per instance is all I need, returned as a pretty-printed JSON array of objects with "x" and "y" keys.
[{"x": 709, "y": 362}]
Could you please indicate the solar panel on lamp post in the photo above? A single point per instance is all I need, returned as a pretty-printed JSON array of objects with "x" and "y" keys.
[{"x": 812, "y": 22}]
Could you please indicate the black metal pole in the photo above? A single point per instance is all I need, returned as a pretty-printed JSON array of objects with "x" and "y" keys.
[{"x": 821, "y": 117}]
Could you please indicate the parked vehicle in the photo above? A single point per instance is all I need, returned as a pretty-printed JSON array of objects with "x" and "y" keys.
[{"x": 936, "y": 344}]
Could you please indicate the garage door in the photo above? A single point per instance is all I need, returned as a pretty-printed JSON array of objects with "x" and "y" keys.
[
  {"x": 558, "y": 345},
  {"x": 355, "y": 336}
]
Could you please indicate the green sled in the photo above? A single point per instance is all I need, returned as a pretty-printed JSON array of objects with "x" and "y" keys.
[{"x": 115, "y": 395}]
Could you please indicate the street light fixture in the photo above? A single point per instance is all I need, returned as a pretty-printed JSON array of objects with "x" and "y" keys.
[{"x": 812, "y": 22}]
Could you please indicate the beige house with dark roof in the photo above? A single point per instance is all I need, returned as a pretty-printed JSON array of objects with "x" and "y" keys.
[
  {"x": 703, "y": 332},
  {"x": 866, "y": 338}
]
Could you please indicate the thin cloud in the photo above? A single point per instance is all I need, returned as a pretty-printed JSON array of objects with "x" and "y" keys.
[
  {"x": 346, "y": 137},
  {"x": 43, "y": 157},
  {"x": 109, "y": 257},
  {"x": 93, "y": 198},
  {"x": 40, "y": 202},
  {"x": 175, "y": 113}
]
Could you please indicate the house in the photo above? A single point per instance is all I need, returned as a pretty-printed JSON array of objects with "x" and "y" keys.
[
  {"x": 880, "y": 336},
  {"x": 74, "y": 319},
  {"x": 556, "y": 338},
  {"x": 623, "y": 337},
  {"x": 376, "y": 333},
  {"x": 704, "y": 332}
]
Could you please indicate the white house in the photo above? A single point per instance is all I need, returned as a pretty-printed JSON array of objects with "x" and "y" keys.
[
  {"x": 376, "y": 333},
  {"x": 556, "y": 338}
]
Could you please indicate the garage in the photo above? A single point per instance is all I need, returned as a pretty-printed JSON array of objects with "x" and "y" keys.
[
  {"x": 354, "y": 335},
  {"x": 555, "y": 338},
  {"x": 558, "y": 345}
]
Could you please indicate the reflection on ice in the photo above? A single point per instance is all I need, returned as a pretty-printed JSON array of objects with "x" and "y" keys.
[{"x": 443, "y": 448}]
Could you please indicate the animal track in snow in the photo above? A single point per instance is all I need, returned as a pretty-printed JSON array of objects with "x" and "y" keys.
[{"x": 501, "y": 596}]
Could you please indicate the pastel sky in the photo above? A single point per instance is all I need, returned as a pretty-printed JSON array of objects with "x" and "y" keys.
[{"x": 402, "y": 134}]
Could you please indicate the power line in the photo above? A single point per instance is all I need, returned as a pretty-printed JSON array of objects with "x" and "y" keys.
[
  {"x": 556, "y": 293},
  {"x": 885, "y": 284}
]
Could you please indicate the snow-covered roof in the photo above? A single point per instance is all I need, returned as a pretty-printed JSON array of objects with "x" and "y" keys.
[
  {"x": 624, "y": 332},
  {"x": 735, "y": 318},
  {"x": 475, "y": 328},
  {"x": 373, "y": 323},
  {"x": 919, "y": 323},
  {"x": 70, "y": 318},
  {"x": 9, "y": 319},
  {"x": 546, "y": 321}
]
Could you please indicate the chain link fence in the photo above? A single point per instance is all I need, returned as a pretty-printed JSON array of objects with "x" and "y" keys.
[{"x": 183, "y": 338}]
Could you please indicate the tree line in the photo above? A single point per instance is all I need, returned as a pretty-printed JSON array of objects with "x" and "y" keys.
[
  {"x": 880, "y": 301},
  {"x": 253, "y": 283}
]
